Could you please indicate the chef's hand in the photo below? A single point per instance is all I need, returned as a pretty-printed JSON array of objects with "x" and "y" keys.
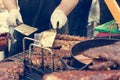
[
  {"x": 58, "y": 16},
  {"x": 13, "y": 17}
]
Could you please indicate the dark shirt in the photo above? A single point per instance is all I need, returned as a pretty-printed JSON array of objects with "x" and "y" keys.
[{"x": 37, "y": 13}]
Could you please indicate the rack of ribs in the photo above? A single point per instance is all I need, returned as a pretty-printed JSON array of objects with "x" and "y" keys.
[{"x": 84, "y": 75}]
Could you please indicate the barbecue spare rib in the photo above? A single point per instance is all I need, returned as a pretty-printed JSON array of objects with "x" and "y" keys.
[{"x": 84, "y": 75}]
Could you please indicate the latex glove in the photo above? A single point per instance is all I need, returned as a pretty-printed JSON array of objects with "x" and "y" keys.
[
  {"x": 4, "y": 29},
  {"x": 13, "y": 16},
  {"x": 2, "y": 56},
  {"x": 58, "y": 16}
]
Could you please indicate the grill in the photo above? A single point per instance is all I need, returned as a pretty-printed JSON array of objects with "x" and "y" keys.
[
  {"x": 32, "y": 75},
  {"x": 30, "y": 72},
  {"x": 36, "y": 73}
]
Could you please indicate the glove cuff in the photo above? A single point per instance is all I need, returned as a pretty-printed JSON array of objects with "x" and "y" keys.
[
  {"x": 59, "y": 12},
  {"x": 14, "y": 11},
  {"x": 4, "y": 29}
]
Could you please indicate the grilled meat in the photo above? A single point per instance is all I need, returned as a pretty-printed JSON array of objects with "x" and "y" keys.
[
  {"x": 3, "y": 42},
  {"x": 8, "y": 76},
  {"x": 64, "y": 45},
  {"x": 57, "y": 52},
  {"x": 12, "y": 67},
  {"x": 49, "y": 61},
  {"x": 84, "y": 75},
  {"x": 108, "y": 52},
  {"x": 66, "y": 42},
  {"x": 70, "y": 37},
  {"x": 102, "y": 65}
]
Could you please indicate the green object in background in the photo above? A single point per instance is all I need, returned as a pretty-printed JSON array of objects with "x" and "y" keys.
[{"x": 106, "y": 28}]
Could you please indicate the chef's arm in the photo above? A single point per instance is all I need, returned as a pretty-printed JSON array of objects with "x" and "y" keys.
[
  {"x": 61, "y": 12},
  {"x": 14, "y": 14},
  {"x": 67, "y": 5},
  {"x": 10, "y": 4}
]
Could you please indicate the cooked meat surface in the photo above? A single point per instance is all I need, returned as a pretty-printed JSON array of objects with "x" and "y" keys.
[
  {"x": 12, "y": 67},
  {"x": 64, "y": 44},
  {"x": 71, "y": 37},
  {"x": 84, "y": 75},
  {"x": 8, "y": 76},
  {"x": 108, "y": 52},
  {"x": 3, "y": 42},
  {"x": 103, "y": 65}
]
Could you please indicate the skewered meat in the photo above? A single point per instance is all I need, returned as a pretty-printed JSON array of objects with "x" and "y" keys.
[
  {"x": 8, "y": 76},
  {"x": 12, "y": 67},
  {"x": 84, "y": 75},
  {"x": 70, "y": 37}
]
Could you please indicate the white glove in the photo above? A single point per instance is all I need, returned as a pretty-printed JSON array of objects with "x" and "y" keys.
[
  {"x": 13, "y": 16},
  {"x": 58, "y": 16},
  {"x": 2, "y": 56},
  {"x": 4, "y": 29}
]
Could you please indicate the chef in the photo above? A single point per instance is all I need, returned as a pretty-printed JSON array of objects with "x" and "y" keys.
[{"x": 37, "y": 13}]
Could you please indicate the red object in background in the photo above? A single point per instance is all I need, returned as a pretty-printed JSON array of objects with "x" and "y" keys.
[
  {"x": 3, "y": 41},
  {"x": 103, "y": 34}
]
